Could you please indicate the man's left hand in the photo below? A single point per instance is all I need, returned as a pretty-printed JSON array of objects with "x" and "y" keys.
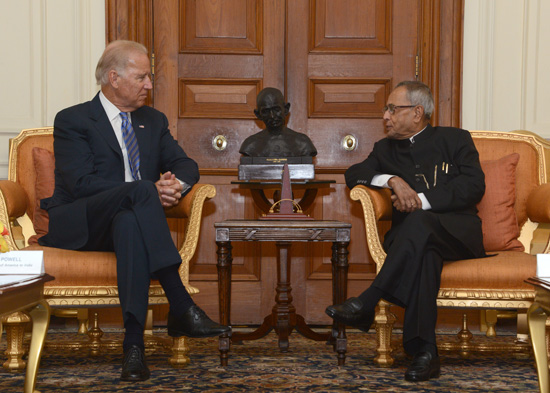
[{"x": 169, "y": 189}]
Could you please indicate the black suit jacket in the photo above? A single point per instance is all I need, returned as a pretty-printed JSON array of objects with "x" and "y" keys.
[
  {"x": 453, "y": 193},
  {"x": 88, "y": 160}
]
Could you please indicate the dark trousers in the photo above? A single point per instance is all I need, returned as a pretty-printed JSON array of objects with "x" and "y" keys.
[
  {"x": 130, "y": 221},
  {"x": 411, "y": 274}
]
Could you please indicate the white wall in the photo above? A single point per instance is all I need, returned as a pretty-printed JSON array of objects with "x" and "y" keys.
[
  {"x": 506, "y": 73},
  {"x": 49, "y": 52}
]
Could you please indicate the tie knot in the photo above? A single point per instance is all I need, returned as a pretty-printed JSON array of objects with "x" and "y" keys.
[{"x": 124, "y": 115}]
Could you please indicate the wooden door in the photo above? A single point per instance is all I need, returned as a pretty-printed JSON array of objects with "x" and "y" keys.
[{"x": 336, "y": 61}]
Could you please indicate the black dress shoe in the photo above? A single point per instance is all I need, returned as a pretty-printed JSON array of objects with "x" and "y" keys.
[
  {"x": 194, "y": 323},
  {"x": 352, "y": 313},
  {"x": 134, "y": 367},
  {"x": 423, "y": 367}
]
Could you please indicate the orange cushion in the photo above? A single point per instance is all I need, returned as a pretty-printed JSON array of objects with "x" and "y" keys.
[
  {"x": 44, "y": 165},
  {"x": 496, "y": 208},
  {"x": 505, "y": 271}
]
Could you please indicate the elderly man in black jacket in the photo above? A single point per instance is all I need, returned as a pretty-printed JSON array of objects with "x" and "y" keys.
[{"x": 436, "y": 181}]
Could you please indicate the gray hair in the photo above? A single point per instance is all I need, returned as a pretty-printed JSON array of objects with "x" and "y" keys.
[
  {"x": 116, "y": 57},
  {"x": 419, "y": 93}
]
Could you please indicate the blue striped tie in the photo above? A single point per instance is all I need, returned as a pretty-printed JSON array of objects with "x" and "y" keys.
[{"x": 131, "y": 145}]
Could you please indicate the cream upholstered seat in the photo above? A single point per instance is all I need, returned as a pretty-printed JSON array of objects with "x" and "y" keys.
[
  {"x": 495, "y": 283},
  {"x": 83, "y": 280}
]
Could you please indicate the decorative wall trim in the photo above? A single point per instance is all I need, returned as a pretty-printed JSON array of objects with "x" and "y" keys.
[
  {"x": 218, "y": 98},
  {"x": 347, "y": 97}
]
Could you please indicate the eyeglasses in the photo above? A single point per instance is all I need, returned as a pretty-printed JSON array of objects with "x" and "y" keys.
[{"x": 391, "y": 108}]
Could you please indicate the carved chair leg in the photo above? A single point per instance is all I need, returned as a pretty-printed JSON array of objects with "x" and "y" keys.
[
  {"x": 95, "y": 334},
  {"x": 180, "y": 350},
  {"x": 82, "y": 316},
  {"x": 491, "y": 317},
  {"x": 15, "y": 324},
  {"x": 384, "y": 321},
  {"x": 149, "y": 322},
  {"x": 465, "y": 338},
  {"x": 522, "y": 327}
]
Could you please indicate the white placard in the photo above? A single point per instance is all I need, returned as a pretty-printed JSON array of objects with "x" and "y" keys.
[
  {"x": 22, "y": 262},
  {"x": 543, "y": 265}
]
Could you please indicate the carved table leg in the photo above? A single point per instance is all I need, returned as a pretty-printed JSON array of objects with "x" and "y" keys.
[
  {"x": 14, "y": 324},
  {"x": 225, "y": 261},
  {"x": 283, "y": 311},
  {"x": 339, "y": 294},
  {"x": 537, "y": 326},
  {"x": 40, "y": 322}
]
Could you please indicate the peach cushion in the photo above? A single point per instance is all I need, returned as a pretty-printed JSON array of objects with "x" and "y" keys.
[
  {"x": 496, "y": 208},
  {"x": 67, "y": 266},
  {"x": 505, "y": 271},
  {"x": 44, "y": 165}
]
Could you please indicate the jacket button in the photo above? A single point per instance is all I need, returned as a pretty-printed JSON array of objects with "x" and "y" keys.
[
  {"x": 417, "y": 166},
  {"x": 417, "y": 179}
]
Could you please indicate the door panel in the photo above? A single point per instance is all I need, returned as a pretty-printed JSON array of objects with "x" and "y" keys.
[{"x": 336, "y": 61}]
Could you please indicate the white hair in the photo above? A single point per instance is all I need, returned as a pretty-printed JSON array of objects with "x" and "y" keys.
[{"x": 116, "y": 57}]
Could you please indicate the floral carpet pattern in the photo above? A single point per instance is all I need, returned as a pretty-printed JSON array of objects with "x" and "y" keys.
[{"x": 259, "y": 366}]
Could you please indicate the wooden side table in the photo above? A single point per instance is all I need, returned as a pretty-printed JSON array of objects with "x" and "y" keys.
[
  {"x": 29, "y": 296},
  {"x": 283, "y": 317},
  {"x": 536, "y": 317}
]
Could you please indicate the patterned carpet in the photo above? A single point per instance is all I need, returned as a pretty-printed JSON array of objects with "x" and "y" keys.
[{"x": 259, "y": 366}]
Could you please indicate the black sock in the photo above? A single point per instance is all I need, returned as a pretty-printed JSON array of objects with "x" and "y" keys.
[
  {"x": 429, "y": 347},
  {"x": 370, "y": 297},
  {"x": 175, "y": 291},
  {"x": 133, "y": 334},
  {"x": 417, "y": 345}
]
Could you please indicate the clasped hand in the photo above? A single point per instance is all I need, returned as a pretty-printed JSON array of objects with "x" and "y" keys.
[
  {"x": 404, "y": 198},
  {"x": 169, "y": 189}
]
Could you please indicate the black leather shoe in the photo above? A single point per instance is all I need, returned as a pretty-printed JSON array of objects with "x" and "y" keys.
[
  {"x": 195, "y": 323},
  {"x": 134, "y": 367},
  {"x": 423, "y": 367},
  {"x": 352, "y": 313}
]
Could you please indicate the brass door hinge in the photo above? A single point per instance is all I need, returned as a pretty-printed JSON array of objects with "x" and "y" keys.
[{"x": 417, "y": 67}]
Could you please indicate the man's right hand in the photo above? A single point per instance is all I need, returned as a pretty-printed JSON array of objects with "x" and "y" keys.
[
  {"x": 169, "y": 189},
  {"x": 404, "y": 198}
]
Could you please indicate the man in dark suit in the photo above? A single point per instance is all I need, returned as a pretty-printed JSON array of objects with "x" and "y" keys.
[
  {"x": 436, "y": 181},
  {"x": 116, "y": 167}
]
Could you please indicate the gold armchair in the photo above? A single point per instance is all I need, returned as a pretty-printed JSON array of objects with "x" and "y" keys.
[
  {"x": 83, "y": 280},
  {"x": 493, "y": 284}
]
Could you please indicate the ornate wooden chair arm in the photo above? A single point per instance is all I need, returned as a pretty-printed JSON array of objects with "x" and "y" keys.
[
  {"x": 377, "y": 206},
  {"x": 13, "y": 204},
  {"x": 191, "y": 207}
]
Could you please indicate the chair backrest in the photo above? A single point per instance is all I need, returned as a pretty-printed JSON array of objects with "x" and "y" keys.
[
  {"x": 21, "y": 166},
  {"x": 531, "y": 168}
]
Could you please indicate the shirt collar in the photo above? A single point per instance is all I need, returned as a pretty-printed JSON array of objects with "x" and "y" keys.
[
  {"x": 110, "y": 109},
  {"x": 415, "y": 135}
]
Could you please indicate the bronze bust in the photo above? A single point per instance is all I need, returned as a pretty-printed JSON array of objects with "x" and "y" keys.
[{"x": 276, "y": 140}]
